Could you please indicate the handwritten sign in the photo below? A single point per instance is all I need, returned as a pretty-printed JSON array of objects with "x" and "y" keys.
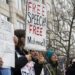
[{"x": 36, "y": 26}]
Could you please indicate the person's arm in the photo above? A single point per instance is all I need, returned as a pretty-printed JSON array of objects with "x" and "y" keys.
[{"x": 20, "y": 62}]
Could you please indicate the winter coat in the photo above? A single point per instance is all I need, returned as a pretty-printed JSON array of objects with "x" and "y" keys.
[
  {"x": 71, "y": 70},
  {"x": 22, "y": 61},
  {"x": 50, "y": 70},
  {"x": 38, "y": 67}
]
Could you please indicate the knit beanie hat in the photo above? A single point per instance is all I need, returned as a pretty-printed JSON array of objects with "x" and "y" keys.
[{"x": 49, "y": 53}]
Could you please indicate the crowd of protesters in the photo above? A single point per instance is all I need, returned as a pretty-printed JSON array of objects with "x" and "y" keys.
[{"x": 30, "y": 62}]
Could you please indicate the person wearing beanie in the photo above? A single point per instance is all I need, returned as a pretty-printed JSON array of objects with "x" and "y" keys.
[
  {"x": 52, "y": 62},
  {"x": 49, "y": 53}
]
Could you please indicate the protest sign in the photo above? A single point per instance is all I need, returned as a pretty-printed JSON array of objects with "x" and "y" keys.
[
  {"x": 36, "y": 26},
  {"x": 7, "y": 49}
]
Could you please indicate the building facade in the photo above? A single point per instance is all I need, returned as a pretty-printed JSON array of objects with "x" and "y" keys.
[{"x": 14, "y": 11}]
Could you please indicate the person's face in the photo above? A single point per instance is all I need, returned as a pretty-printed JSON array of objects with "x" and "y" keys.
[
  {"x": 15, "y": 40},
  {"x": 54, "y": 58},
  {"x": 34, "y": 54}
]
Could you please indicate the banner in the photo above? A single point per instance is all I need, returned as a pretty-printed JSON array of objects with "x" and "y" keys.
[
  {"x": 36, "y": 26},
  {"x": 7, "y": 50}
]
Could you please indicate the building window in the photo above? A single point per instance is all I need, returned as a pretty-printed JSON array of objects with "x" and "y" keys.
[
  {"x": 20, "y": 4},
  {"x": 7, "y": 1},
  {"x": 23, "y": 2},
  {"x": 19, "y": 25},
  {"x": 4, "y": 1}
]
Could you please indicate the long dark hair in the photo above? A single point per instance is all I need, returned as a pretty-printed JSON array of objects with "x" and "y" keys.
[{"x": 19, "y": 33}]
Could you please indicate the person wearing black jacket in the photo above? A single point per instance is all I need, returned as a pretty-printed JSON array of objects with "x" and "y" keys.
[
  {"x": 22, "y": 57},
  {"x": 38, "y": 58}
]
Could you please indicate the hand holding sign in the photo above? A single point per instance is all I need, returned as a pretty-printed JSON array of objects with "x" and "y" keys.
[{"x": 29, "y": 58}]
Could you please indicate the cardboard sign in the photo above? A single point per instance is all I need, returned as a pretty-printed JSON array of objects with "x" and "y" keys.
[{"x": 36, "y": 26}]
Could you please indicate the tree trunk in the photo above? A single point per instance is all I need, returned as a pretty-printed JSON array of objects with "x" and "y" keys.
[{"x": 68, "y": 51}]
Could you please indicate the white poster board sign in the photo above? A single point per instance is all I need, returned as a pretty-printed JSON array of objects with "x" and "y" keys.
[
  {"x": 36, "y": 26},
  {"x": 7, "y": 49}
]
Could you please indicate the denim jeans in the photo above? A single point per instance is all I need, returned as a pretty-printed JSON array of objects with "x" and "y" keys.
[{"x": 5, "y": 71}]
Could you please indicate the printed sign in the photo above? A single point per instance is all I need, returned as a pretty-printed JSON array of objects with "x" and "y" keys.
[{"x": 36, "y": 26}]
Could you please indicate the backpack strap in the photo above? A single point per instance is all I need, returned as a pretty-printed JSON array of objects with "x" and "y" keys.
[{"x": 50, "y": 69}]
